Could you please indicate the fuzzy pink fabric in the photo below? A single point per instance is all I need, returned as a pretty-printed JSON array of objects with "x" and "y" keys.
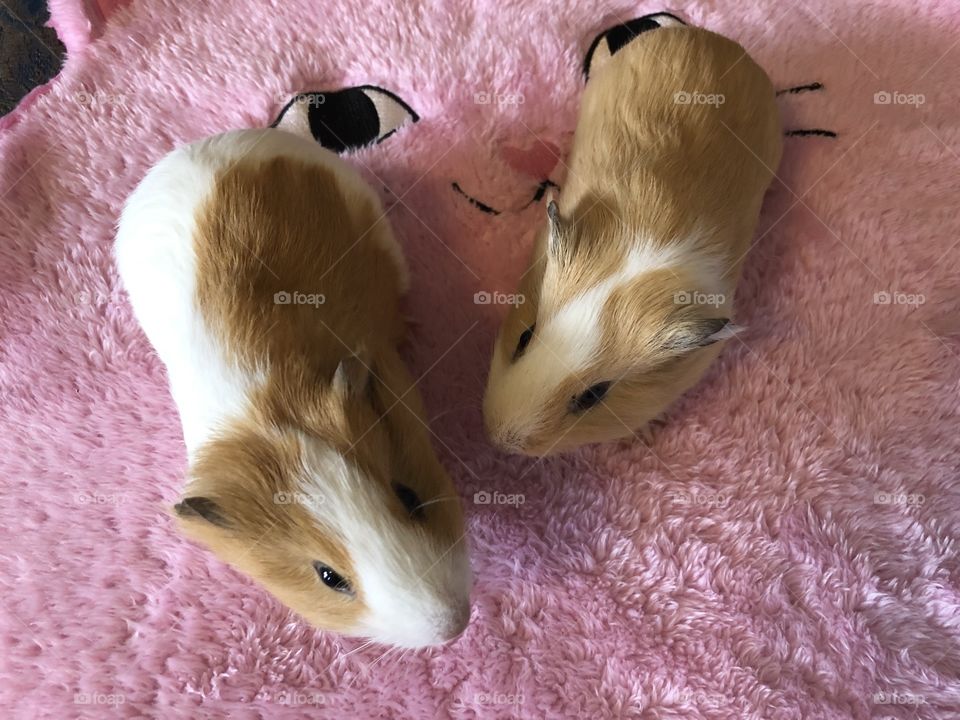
[
  {"x": 80, "y": 22},
  {"x": 786, "y": 548}
]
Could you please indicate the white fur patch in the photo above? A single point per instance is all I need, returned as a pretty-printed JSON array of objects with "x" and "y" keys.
[
  {"x": 413, "y": 588},
  {"x": 156, "y": 259},
  {"x": 574, "y": 332},
  {"x": 570, "y": 341}
]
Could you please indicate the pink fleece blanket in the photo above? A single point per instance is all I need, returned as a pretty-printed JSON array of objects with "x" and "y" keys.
[{"x": 787, "y": 547}]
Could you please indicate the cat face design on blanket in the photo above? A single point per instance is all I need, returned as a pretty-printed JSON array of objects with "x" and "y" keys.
[{"x": 351, "y": 118}]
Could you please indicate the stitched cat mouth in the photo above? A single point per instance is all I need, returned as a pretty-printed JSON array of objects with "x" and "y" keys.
[{"x": 484, "y": 208}]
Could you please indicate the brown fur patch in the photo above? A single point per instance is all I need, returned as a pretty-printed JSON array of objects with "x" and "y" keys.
[
  {"x": 271, "y": 536},
  {"x": 283, "y": 226}
]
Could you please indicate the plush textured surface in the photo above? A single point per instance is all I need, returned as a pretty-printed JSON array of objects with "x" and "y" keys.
[{"x": 743, "y": 566}]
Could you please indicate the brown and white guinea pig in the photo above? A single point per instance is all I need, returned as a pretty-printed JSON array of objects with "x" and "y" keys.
[
  {"x": 265, "y": 274},
  {"x": 629, "y": 289}
]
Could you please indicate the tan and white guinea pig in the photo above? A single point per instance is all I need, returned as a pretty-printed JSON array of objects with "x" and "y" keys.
[
  {"x": 265, "y": 274},
  {"x": 629, "y": 290}
]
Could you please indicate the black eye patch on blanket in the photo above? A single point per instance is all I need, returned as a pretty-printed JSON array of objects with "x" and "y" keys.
[{"x": 347, "y": 119}]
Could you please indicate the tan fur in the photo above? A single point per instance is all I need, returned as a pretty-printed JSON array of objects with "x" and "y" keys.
[
  {"x": 286, "y": 226},
  {"x": 245, "y": 473},
  {"x": 646, "y": 171}
]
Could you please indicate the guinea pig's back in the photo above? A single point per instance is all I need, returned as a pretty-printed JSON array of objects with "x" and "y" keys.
[
  {"x": 687, "y": 124},
  {"x": 247, "y": 248},
  {"x": 677, "y": 91},
  {"x": 299, "y": 244},
  {"x": 737, "y": 96}
]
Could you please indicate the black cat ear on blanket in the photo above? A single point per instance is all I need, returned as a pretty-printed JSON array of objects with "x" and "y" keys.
[
  {"x": 606, "y": 44},
  {"x": 347, "y": 119}
]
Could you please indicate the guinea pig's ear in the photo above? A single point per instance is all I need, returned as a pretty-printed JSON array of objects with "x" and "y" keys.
[
  {"x": 201, "y": 508},
  {"x": 693, "y": 334},
  {"x": 352, "y": 376},
  {"x": 556, "y": 229}
]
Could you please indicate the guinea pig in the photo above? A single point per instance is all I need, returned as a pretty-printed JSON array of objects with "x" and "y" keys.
[
  {"x": 263, "y": 271},
  {"x": 628, "y": 293}
]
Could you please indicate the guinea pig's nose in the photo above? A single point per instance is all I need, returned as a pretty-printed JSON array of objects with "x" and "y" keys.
[
  {"x": 538, "y": 160},
  {"x": 508, "y": 439}
]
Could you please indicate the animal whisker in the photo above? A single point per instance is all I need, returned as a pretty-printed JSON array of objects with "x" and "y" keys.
[
  {"x": 446, "y": 498},
  {"x": 809, "y": 87},
  {"x": 364, "y": 646},
  {"x": 819, "y": 132}
]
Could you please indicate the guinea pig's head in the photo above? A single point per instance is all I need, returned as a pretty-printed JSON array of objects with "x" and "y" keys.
[
  {"x": 341, "y": 511},
  {"x": 612, "y": 328}
]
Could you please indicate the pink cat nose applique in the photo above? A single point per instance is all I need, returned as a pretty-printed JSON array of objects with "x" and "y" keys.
[{"x": 537, "y": 161}]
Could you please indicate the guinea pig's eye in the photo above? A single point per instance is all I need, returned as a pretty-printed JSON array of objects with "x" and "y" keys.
[
  {"x": 411, "y": 501},
  {"x": 589, "y": 397},
  {"x": 332, "y": 579},
  {"x": 525, "y": 337},
  {"x": 348, "y": 119}
]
